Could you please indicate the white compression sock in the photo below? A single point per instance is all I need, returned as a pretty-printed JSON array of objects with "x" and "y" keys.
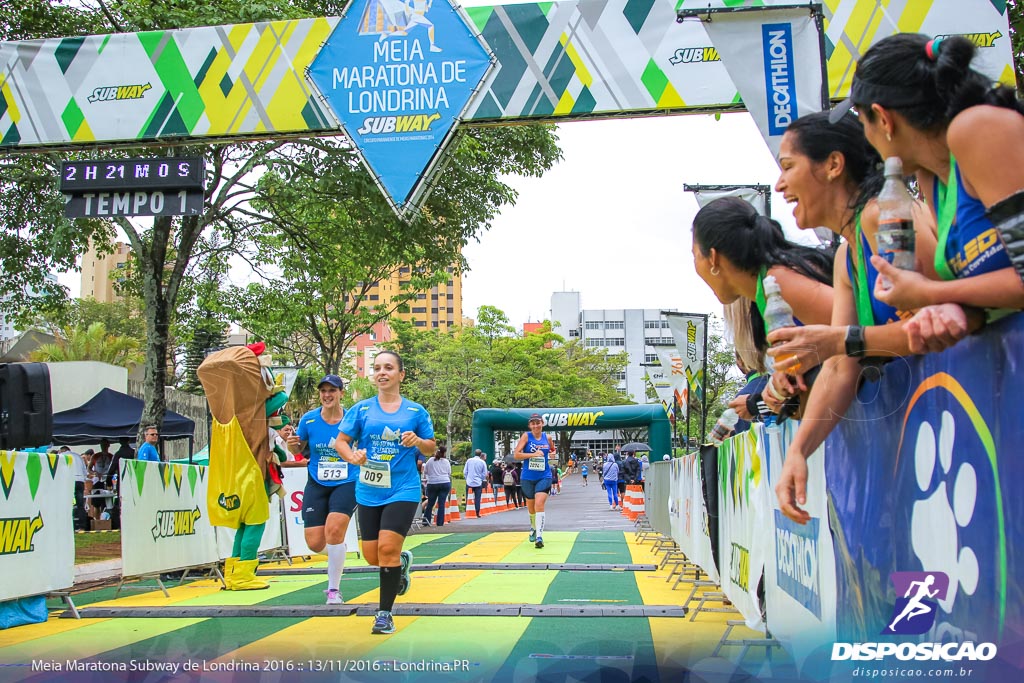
[
  {"x": 540, "y": 524},
  {"x": 335, "y": 563}
]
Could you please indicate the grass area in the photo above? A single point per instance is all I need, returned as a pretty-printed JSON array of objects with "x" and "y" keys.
[{"x": 97, "y": 546}]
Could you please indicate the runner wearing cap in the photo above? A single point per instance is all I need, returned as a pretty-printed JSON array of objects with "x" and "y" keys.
[
  {"x": 329, "y": 498},
  {"x": 534, "y": 446}
]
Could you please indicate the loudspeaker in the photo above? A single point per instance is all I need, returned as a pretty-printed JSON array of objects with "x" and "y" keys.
[{"x": 26, "y": 411}]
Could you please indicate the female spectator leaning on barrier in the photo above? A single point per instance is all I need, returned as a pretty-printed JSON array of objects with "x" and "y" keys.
[
  {"x": 534, "y": 447},
  {"x": 439, "y": 484},
  {"x": 920, "y": 100},
  {"x": 830, "y": 172},
  {"x": 734, "y": 248},
  {"x": 389, "y": 430}
]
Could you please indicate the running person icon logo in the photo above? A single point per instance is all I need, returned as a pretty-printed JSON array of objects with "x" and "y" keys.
[{"x": 914, "y": 612}]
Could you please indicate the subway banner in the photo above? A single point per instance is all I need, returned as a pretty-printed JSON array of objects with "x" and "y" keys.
[
  {"x": 669, "y": 381},
  {"x": 553, "y": 60},
  {"x": 37, "y": 542},
  {"x": 800, "y": 567},
  {"x": 688, "y": 330},
  {"x": 295, "y": 484},
  {"x": 693, "y": 538},
  {"x": 164, "y": 525},
  {"x": 742, "y": 508},
  {"x": 924, "y": 477},
  {"x": 273, "y": 533}
]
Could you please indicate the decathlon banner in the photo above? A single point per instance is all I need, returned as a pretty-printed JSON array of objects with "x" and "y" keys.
[
  {"x": 800, "y": 567},
  {"x": 295, "y": 483},
  {"x": 273, "y": 533},
  {"x": 742, "y": 507},
  {"x": 164, "y": 525},
  {"x": 37, "y": 541},
  {"x": 669, "y": 380},
  {"x": 774, "y": 58},
  {"x": 689, "y": 332}
]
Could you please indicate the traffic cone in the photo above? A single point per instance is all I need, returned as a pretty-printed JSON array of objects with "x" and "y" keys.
[
  {"x": 487, "y": 506},
  {"x": 638, "y": 502},
  {"x": 451, "y": 511},
  {"x": 633, "y": 493}
]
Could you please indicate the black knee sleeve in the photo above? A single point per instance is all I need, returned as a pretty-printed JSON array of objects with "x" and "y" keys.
[{"x": 1008, "y": 218}]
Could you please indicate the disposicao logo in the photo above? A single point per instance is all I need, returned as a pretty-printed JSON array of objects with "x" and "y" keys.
[
  {"x": 110, "y": 93},
  {"x": 780, "y": 83},
  {"x": 917, "y": 603}
]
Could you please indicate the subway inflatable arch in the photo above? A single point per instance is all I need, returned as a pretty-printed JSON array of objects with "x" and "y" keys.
[{"x": 659, "y": 437}]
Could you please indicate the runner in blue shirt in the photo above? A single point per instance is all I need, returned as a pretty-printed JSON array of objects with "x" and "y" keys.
[
  {"x": 390, "y": 431},
  {"x": 329, "y": 498},
  {"x": 535, "y": 447}
]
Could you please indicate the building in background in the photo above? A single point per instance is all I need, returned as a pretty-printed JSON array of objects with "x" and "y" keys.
[
  {"x": 100, "y": 272},
  {"x": 439, "y": 308},
  {"x": 8, "y": 330},
  {"x": 367, "y": 346},
  {"x": 633, "y": 330}
]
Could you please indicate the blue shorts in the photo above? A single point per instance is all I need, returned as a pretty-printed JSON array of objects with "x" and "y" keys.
[
  {"x": 531, "y": 487},
  {"x": 319, "y": 500}
]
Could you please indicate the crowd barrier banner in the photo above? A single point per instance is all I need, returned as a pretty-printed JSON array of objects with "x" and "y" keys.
[
  {"x": 37, "y": 542},
  {"x": 295, "y": 483},
  {"x": 656, "y": 491},
  {"x": 743, "y": 519},
  {"x": 272, "y": 538},
  {"x": 164, "y": 525},
  {"x": 924, "y": 476},
  {"x": 695, "y": 541},
  {"x": 800, "y": 569}
]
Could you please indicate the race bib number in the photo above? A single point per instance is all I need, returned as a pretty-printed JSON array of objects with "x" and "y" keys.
[
  {"x": 376, "y": 473},
  {"x": 332, "y": 470},
  {"x": 538, "y": 463}
]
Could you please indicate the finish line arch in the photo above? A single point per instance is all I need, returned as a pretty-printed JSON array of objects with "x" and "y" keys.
[{"x": 659, "y": 433}]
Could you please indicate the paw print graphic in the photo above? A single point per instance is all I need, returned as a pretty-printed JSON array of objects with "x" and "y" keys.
[{"x": 938, "y": 520}]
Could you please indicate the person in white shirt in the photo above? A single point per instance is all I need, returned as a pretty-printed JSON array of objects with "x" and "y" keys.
[
  {"x": 476, "y": 474},
  {"x": 438, "y": 472}
]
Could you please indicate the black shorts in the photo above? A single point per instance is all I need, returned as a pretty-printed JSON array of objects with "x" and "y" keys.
[
  {"x": 318, "y": 500},
  {"x": 531, "y": 487},
  {"x": 396, "y": 517}
]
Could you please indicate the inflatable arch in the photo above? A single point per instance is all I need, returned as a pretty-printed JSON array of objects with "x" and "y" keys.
[{"x": 652, "y": 416}]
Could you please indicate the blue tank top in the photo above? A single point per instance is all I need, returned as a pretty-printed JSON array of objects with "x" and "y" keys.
[
  {"x": 968, "y": 243},
  {"x": 532, "y": 470},
  {"x": 870, "y": 311}
]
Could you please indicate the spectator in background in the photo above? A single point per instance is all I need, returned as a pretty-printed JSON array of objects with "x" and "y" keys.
[
  {"x": 610, "y": 481},
  {"x": 438, "y": 471},
  {"x": 497, "y": 477},
  {"x": 630, "y": 470},
  {"x": 475, "y": 472},
  {"x": 147, "y": 451},
  {"x": 78, "y": 467}
]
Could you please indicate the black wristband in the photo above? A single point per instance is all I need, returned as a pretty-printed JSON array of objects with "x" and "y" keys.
[{"x": 855, "y": 345}]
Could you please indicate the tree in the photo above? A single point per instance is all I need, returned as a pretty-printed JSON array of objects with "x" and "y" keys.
[
  {"x": 90, "y": 343},
  {"x": 1015, "y": 14}
]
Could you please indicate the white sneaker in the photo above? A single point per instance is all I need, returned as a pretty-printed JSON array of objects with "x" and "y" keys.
[
  {"x": 611, "y": 507},
  {"x": 334, "y": 597}
]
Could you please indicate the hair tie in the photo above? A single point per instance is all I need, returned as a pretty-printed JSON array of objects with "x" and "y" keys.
[{"x": 932, "y": 48}]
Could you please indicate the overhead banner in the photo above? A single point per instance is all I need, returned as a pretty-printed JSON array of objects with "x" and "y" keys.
[
  {"x": 689, "y": 332},
  {"x": 800, "y": 567},
  {"x": 399, "y": 75},
  {"x": 748, "y": 194},
  {"x": 570, "y": 59},
  {"x": 743, "y": 519},
  {"x": 37, "y": 540},
  {"x": 774, "y": 58},
  {"x": 670, "y": 379},
  {"x": 295, "y": 483},
  {"x": 164, "y": 525}
]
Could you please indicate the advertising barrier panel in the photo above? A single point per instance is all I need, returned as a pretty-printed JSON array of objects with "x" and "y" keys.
[
  {"x": 694, "y": 539},
  {"x": 37, "y": 543},
  {"x": 164, "y": 525},
  {"x": 295, "y": 483}
]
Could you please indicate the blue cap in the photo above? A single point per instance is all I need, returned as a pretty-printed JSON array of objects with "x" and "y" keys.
[{"x": 333, "y": 380}]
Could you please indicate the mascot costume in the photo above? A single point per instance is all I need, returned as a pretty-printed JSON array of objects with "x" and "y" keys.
[{"x": 244, "y": 471}]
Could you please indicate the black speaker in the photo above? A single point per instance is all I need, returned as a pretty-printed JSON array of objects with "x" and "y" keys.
[{"x": 26, "y": 411}]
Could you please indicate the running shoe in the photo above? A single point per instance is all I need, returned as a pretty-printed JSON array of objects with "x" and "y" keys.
[
  {"x": 539, "y": 543},
  {"x": 334, "y": 597},
  {"x": 383, "y": 623},
  {"x": 405, "y": 581},
  {"x": 533, "y": 535}
]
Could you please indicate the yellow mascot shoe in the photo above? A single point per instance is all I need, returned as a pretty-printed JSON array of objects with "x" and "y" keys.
[
  {"x": 244, "y": 577},
  {"x": 229, "y": 569}
]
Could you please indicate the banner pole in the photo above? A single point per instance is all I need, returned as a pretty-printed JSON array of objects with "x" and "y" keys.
[{"x": 704, "y": 388}]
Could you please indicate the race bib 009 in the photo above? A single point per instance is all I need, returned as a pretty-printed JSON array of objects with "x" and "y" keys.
[{"x": 376, "y": 473}]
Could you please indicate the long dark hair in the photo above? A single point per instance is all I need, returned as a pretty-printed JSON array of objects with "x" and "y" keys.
[
  {"x": 735, "y": 229},
  {"x": 816, "y": 138},
  {"x": 945, "y": 84},
  {"x": 440, "y": 452}
]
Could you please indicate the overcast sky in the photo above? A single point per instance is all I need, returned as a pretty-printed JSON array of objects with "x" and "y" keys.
[{"x": 611, "y": 220}]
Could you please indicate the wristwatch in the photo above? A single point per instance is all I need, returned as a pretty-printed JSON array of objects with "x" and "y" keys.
[{"x": 855, "y": 345}]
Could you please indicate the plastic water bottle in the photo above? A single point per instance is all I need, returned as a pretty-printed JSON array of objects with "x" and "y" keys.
[
  {"x": 724, "y": 427},
  {"x": 777, "y": 314},
  {"x": 895, "y": 238}
]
